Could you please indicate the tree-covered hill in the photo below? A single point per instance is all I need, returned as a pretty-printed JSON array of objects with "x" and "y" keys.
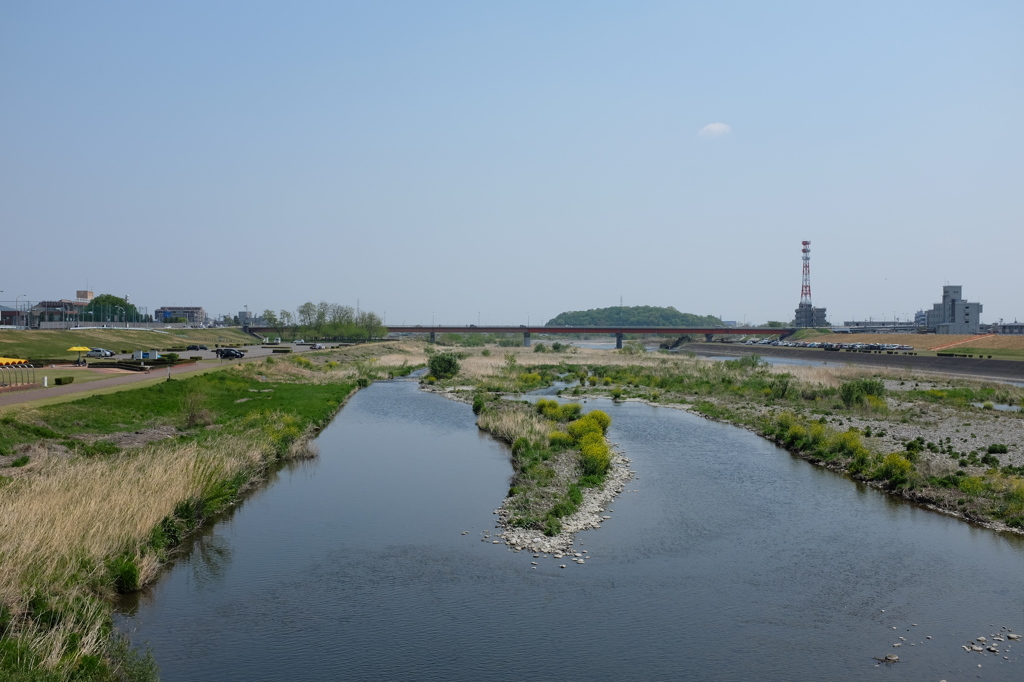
[{"x": 633, "y": 316}]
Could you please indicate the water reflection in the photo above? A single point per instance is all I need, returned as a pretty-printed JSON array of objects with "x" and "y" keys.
[{"x": 733, "y": 561}]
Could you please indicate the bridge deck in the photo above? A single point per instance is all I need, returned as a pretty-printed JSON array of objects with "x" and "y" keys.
[{"x": 525, "y": 329}]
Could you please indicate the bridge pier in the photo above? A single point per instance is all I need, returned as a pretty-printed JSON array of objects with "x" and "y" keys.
[
  {"x": 433, "y": 339},
  {"x": 618, "y": 340},
  {"x": 709, "y": 337},
  {"x": 526, "y": 339}
]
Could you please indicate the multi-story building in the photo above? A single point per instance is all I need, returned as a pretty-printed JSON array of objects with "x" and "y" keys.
[
  {"x": 809, "y": 316},
  {"x": 954, "y": 315},
  {"x": 192, "y": 314}
]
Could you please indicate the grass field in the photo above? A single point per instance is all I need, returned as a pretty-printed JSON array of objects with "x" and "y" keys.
[{"x": 53, "y": 343}]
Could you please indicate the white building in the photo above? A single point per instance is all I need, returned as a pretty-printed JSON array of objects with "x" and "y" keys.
[{"x": 954, "y": 315}]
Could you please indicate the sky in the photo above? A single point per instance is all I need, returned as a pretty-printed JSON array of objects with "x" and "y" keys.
[{"x": 499, "y": 163}]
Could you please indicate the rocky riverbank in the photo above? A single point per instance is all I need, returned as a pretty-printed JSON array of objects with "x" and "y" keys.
[
  {"x": 590, "y": 514},
  {"x": 593, "y": 511}
]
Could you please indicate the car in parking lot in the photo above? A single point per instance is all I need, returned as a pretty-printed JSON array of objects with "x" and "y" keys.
[
  {"x": 197, "y": 347},
  {"x": 317, "y": 346},
  {"x": 228, "y": 353},
  {"x": 99, "y": 353}
]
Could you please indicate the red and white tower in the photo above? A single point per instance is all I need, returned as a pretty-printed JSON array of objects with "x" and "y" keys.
[{"x": 805, "y": 288}]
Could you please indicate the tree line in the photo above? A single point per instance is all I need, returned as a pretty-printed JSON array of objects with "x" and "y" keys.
[
  {"x": 325, "y": 321},
  {"x": 633, "y": 316}
]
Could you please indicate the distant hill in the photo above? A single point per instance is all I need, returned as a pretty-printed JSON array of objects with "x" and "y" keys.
[{"x": 633, "y": 316}]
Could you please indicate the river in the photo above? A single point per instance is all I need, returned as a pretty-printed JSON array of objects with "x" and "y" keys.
[{"x": 732, "y": 561}]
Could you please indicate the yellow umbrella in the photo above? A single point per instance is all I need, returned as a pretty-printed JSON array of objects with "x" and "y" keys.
[{"x": 80, "y": 349}]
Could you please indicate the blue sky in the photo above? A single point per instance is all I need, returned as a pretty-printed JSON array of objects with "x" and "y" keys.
[{"x": 456, "y": 159}]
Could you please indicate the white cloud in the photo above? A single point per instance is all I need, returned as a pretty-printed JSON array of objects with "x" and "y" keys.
[{"x": 715, "y": 130}]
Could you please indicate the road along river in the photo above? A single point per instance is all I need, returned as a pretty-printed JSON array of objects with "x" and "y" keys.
[{"x": 728, "y": 560}]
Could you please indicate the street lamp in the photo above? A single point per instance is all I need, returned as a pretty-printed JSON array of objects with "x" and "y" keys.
[{"x": 17, "y": 307}]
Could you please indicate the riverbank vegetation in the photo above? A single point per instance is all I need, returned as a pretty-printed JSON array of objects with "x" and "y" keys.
[
  {"x": 953, "y": 443},
  {"x": 114, "y": 483},
  {"x": 556, "y": 452}
]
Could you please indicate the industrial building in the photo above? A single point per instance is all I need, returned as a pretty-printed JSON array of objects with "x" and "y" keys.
[
  {"x": 954, "y": 315},
  {"x": 1007, "y": 328},
  {"x": 192, "y": 314},
  {"x": 806, "y": 314}
]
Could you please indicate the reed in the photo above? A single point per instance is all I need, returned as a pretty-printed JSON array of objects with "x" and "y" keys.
[{"x": 61, "y": 527}]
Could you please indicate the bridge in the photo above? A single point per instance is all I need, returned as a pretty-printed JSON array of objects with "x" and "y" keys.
[{"x": 618, "y": 332}]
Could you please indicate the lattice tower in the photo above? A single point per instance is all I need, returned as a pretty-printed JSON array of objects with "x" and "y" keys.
[{"x": 805, "y": 288}]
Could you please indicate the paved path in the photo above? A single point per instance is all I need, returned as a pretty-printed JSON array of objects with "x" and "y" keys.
[{"x": 15, "y": 397}]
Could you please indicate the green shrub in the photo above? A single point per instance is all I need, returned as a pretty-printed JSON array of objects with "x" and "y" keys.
[
  {"x": 602, "y": 419},
  {"x": 896, "y": 469},
  {"x": 581, "y": 427},
  {"x": 972, "y": 485},
  {"x": 876, "y": 404},
  {"x": 61, "y": 381},
  {"x": 21, "y": 461},
  {"x": 554, "y": 411},
  {"x": 560, "y": 440},
  {"x": 520, "y": 446},
  {"x": 444, "y": 365},
  {"x": 997, "y": 449},
  {"x": 540, "y": 348},
  {"x": 478, "y": 403},
  {"x": 124, "y": 574},
  {"x": 855, "y": 392},
  {"x": 569, "y": 411},
  {"x": 861, "y": 463},
  {"x": 779, "y": 386},
  {"x": 528, "y": 379},
  {"x": 486, "y": 352},
  {"x": 990, "y": 460},
  {"x": 595, "y": 459}
]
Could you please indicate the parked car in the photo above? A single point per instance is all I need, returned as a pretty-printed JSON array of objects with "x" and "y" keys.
[
  {"x": 197, "y": 347},
  {"x": 317, "y": 346},
  {"x": 228, "y": 353},
  {"x": 99, "y": 353}
]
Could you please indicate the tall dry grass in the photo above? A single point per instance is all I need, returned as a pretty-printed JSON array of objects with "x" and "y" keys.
[
  {"x": 60, "y": 526},
  {"x": 833, "y": 376},
  {"x": 510, "y": 425}
]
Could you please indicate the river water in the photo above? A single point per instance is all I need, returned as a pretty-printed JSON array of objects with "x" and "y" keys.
[{"x": 732, "y": 560}]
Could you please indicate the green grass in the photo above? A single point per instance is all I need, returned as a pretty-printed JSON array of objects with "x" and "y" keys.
[
  {"x": 53, "y": 343},
  {"x": 237, "y": 401},
  {"x": 213, "y": 366},
  {"x": 161, "y": 404}
]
